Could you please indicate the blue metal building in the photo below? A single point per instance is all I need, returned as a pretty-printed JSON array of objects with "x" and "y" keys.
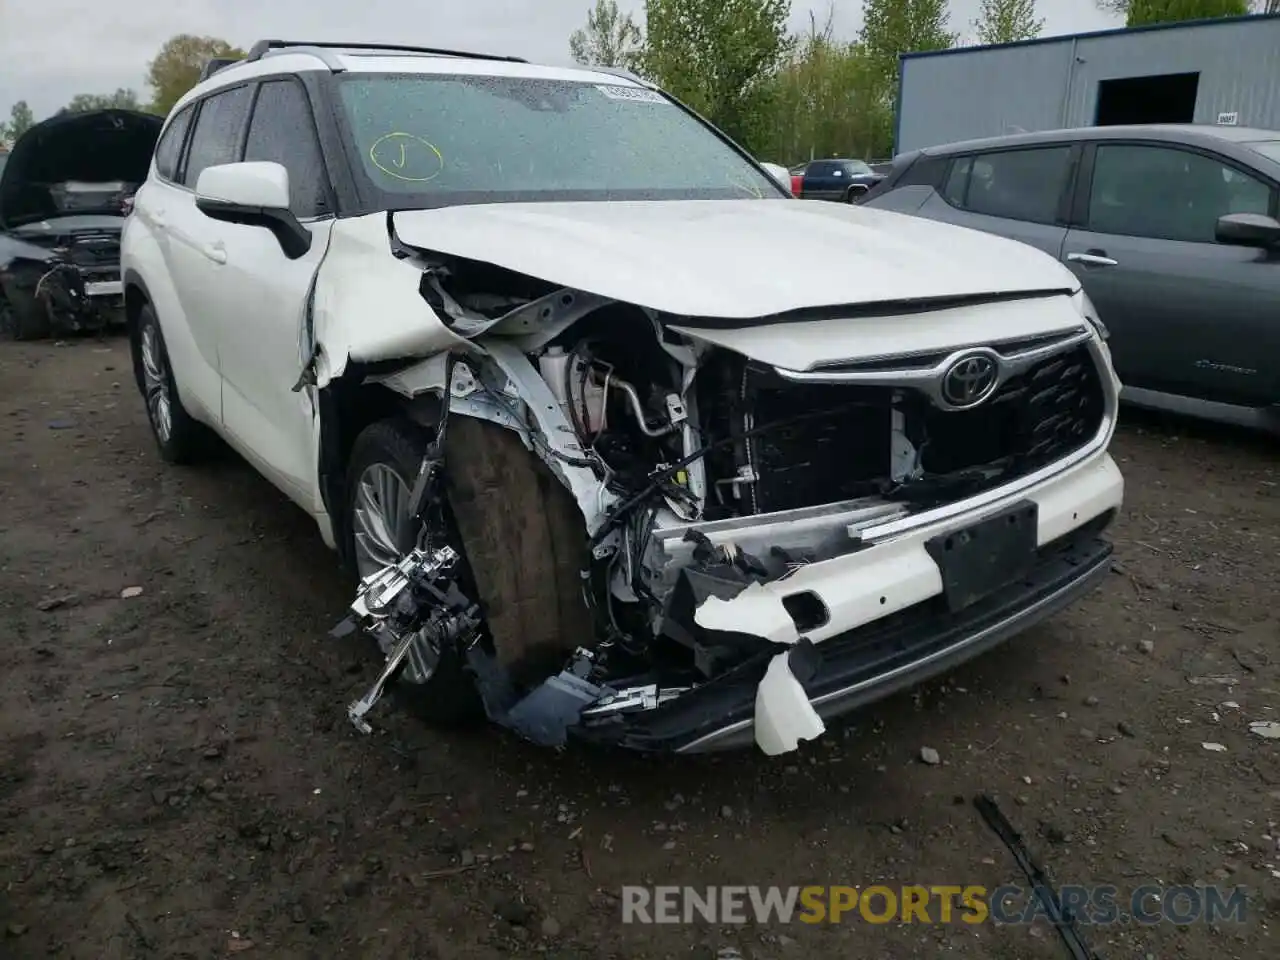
[{"x": 1204, "y": 71}]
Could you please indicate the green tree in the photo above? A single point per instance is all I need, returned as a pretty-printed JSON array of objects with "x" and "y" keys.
[
  {"x": 122, "y": 99},
  {"x": 21, "y": 119},
  {"x": 825, "y": 103},
  {"x": 1138, "y": 13},
  {"x": 610, "y": 38},
  {"x": 893, "y": 27},
  {"x": 1006, "y": 21},
  {"x": 176, "y": 68},
  {"x": 719, "y": 56}
]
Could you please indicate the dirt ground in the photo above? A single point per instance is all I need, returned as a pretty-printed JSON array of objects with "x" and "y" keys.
[{"x": 178, "y": 778}]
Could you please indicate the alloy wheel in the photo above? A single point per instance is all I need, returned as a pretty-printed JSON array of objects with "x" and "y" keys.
[
  {"x": 155, "y": 383},
  {"x": 385, "y": 530}
]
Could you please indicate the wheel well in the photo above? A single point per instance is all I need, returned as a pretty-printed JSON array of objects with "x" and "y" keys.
[
  {"x": 134, "y": 300},
  {"x": 346, "y": 406}
]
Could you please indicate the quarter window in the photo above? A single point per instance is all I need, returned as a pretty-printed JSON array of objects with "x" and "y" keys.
[
  {"x": 216, "y": 138},
  {"x": 169, "y": 149},
  {"x": 1168, "y": 194},
  {"x": 1022, "y": 184},
  {"x": 282, "y": 131}
]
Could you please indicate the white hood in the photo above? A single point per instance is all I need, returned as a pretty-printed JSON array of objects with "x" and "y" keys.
[{"x": 735, "y": 259}]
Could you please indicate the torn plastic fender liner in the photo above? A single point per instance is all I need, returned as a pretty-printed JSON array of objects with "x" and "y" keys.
[
  {"x": 784, "y": 715},
  {"x": 372, "y": 309}
]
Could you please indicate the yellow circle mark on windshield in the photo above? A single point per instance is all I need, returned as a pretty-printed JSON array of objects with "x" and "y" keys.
[{"x": 403, "y": 156}]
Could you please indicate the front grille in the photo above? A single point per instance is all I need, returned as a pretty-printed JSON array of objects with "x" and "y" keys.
[
  {"x": 1040, "y": 416},
  {"x": 829, "y": 444},
  {"x": 834, "y": 440}
]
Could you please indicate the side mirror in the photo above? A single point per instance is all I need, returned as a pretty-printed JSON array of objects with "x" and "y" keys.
[
  {"x": 779, "y": 173},
  {"x": 1248, "y": 230},
  {"x": 255, "y": 194}
]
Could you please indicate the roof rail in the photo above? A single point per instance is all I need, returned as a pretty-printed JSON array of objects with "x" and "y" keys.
[
  {"x": 213, "y": 66},
  {"x": 622, "y": 72},
  {"x": 320, "y": 49}
]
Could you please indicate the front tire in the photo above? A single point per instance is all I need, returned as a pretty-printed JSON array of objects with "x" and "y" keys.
[
  {"x": 526, "y": 544},
  {"x": 17, "y": 326},
  {"x": 855, "y": 194},
  {"x": 520, "y": 534},
  {"x": 179, "y": 437}
]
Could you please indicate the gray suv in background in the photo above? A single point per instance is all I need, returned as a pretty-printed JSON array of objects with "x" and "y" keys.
[{"x": 1171, "y": 229}]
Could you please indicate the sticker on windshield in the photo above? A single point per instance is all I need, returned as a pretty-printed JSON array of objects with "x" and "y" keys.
[{"x": 634, "y": 94}]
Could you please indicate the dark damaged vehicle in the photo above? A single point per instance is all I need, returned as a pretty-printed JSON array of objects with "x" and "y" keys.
[
  {"x": 64, "y": 195},
  {"x": 517, "y": 338}
]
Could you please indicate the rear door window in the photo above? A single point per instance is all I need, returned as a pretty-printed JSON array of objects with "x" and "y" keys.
[
  {"x": 1168, "y": 194},
  {"x": 1025, "y": 184},
  {"x": 219, "y": 132}
]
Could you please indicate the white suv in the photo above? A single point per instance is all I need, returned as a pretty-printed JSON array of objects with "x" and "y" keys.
[{"x": 518, "y": 338}]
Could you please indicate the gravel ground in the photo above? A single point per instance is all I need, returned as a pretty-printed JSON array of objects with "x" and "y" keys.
[{"x": 178, "y": 779}]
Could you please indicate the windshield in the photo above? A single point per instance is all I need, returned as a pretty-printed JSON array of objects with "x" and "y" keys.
[
  {"x": 1268, "y": 148},
  {"x": 428, "y": 141},
  {"x": 860, "y": 168}
]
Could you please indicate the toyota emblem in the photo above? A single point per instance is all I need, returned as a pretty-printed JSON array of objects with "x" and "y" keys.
[{"x": 970, "y": 380}]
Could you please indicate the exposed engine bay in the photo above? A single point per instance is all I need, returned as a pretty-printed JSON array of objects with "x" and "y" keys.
[
  {"x": 65, "y": 195},
  {"x": 75, "y": 286},
  {"x": 701, "y": 475}
]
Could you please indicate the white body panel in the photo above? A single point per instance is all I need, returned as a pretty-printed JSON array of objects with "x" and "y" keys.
[
  {"x": 719, "y": 258},
  {"x": 146, "y": 247},
  {"x": 368, "y": 306},
  {"x": 258, "y": 313},
  {"x": 802, "y": 346}
]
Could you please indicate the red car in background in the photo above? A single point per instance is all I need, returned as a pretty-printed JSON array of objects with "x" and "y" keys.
[{"x": 797, "y": 178}]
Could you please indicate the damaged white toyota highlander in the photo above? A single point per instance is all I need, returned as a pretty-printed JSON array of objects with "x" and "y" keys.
[{"x": 607, "y": 466}]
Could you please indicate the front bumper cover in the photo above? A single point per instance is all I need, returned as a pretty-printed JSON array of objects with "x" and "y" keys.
[{"x": 871, "y": 662}]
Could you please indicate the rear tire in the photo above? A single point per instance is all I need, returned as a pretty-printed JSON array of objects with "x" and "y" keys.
[{"x": 180, "y": 438}]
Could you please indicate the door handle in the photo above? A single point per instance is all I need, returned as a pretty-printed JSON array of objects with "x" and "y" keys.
[
  {"x": 215, "y": 252},
  {"x": 1093, "y": 259},
  {"x": 157, "y": 217}
]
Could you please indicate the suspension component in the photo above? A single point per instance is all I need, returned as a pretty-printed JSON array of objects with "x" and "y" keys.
[{"x": 415, "y": 610}]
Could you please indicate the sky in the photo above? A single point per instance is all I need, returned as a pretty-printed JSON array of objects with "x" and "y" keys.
[{"x": 51, "y": 50}]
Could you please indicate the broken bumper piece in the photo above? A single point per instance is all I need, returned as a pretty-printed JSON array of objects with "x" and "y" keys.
[{"x": 778, "y": 698}]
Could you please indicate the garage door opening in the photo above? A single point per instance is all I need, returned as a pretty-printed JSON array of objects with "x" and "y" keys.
[{"x": 1168, "y": 98}]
